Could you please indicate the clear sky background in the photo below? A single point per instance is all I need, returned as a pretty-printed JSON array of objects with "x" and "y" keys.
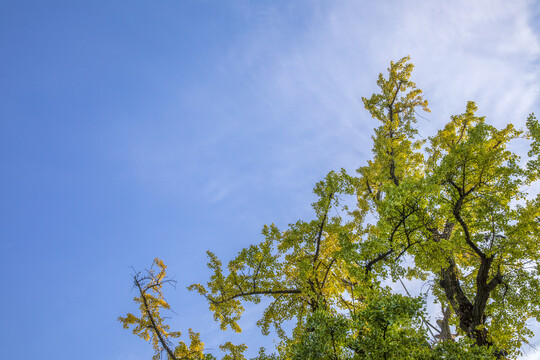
[{"x": 136, "y": 129}]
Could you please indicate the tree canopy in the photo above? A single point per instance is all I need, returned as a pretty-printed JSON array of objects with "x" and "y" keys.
[{"x": 455, "y": 212}]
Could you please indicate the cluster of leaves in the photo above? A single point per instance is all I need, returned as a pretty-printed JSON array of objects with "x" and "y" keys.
[
  {"x": 452, "y": 211},
  {"x": 383, "y": 328}
]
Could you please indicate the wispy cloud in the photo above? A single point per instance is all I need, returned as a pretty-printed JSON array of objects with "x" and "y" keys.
[
  {"x": 485, "y": 51},
  {"x": 283, "y": 105}
]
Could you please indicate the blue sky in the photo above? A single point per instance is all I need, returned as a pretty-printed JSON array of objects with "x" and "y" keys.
[{"x": 136, "y": 129}]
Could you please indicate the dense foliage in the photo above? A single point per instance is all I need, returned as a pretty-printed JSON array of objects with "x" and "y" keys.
[{"x": 452, "y": 212}]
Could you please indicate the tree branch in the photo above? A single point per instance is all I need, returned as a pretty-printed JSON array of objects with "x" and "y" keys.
[
  {"x": 321, "y": 227},
  {"x": 260, "y": 292},
  {"x": 151, "y": 317}
]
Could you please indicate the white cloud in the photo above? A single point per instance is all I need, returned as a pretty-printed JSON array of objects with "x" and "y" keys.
[
  {"x": 299, "y": 87},
  {"x": 483, "y": 50}
]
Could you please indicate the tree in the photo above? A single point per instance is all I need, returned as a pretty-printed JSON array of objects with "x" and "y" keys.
[
  {"x": 453, "y": 212},
  {"x": 150, "y": 325}
]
